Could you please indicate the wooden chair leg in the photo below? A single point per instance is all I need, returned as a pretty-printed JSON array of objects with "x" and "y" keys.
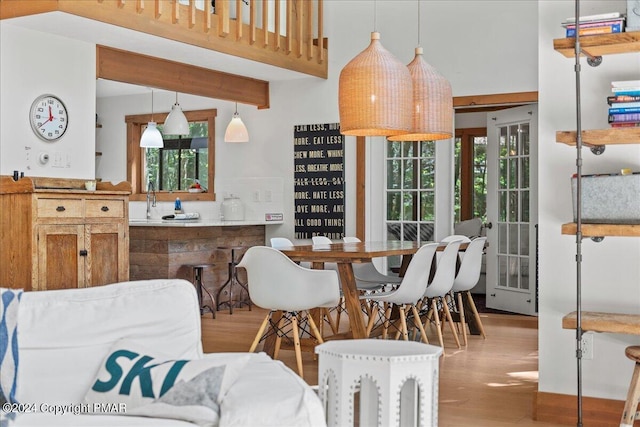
[
  {"x": 403, "y": 323},
  {"x": 631, "y": 405},
  {"x": 372, "y": 319},
  {"x": 476, "y": 316},
  {"x": 263, "y": 326},
  {"x": 387, "y": 315},
  {"x": 314, "y": 328},
  {"x": 278, "y": 343},
  {"x": 332, "y": 324},
  {"x": 296, "y": 344},
  {"x": 416, "y": 315},
  {"x": 447, "y": 314},
  {"x": 463, "y": 320},
  {"x": 436, "y": 316}
]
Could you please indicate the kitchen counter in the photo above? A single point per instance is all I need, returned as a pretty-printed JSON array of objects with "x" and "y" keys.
[{"x": 137, "y": 222}]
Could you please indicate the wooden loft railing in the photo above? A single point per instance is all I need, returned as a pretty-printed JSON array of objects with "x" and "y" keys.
[{"x": 286, "y": 34}]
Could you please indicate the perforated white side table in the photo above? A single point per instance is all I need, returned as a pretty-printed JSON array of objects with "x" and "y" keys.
[{"x": 397, "y": 381}]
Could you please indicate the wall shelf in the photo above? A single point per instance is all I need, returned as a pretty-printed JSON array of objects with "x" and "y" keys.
[
  {"x": 604, "y": 322},
  {"x": 600, "y": 230},
  {"x": 602, "y": 44},
  {"x": 610, "y": 136}
]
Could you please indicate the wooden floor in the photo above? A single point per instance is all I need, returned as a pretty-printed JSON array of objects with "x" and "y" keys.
[{"x": 490, "y": 383}]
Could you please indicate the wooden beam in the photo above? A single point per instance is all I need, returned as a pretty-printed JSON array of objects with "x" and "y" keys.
[
  {"x": 16, "y": 8},
  {"x": 265, "y": 22},
  {"x": 129, "y": 67},
  {"x": 516, "y": 98}
]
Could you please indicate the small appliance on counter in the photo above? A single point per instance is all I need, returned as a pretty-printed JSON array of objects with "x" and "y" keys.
[{"x": 232, "y": 209}]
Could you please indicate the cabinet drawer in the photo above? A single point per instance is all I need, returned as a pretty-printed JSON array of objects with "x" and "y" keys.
[
  {"x": 59, "y": 208},
  {"x": 104, "y": 208}
]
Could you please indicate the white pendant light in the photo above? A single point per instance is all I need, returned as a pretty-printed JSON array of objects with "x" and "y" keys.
[
  {"x": 236, "y": 130},
  {"x": 151, "y": 137},
  {"x": 176, "y": 122}
]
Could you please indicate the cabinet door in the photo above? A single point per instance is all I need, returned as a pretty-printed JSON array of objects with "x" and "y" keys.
[
  {"x": 107, "y": 248},
  {"x": 60, "y": 263}
]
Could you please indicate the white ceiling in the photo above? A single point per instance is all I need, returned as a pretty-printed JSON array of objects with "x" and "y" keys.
[{"x": 75, "y": 27}]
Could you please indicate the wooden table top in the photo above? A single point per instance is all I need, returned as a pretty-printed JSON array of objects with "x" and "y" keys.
[{"x": 349, "y": 252}]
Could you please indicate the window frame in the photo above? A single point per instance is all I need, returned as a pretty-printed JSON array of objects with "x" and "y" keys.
[
  {"x": 135, "y": 155},
  {"x": 467, "y": 137}
]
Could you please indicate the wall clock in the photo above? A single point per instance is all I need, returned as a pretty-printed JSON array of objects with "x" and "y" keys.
[{"x": 48, "y": 117}]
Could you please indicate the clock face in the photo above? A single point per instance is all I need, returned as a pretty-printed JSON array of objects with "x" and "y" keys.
[{"x": 48, "y": 117}]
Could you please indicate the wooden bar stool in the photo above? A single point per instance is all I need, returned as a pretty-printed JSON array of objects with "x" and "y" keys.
[
  {"x": 231, "y": 281},
  {"x": 197, "y": 271},
  {"x": 631, "y": 405}
]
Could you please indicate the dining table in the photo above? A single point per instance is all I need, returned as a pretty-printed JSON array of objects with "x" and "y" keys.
[{"x": 344, "y": 255}]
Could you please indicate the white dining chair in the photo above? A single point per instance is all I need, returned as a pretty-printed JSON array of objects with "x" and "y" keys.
[
  {"x": 406, "y": 295},
  {"x": 278, "y": 284},
  {"x": 439, "y": 287},
  {"x": 368, "y": 278},
  {"x": 466, "y": 278},
  {"x": 339, "y": 309}
]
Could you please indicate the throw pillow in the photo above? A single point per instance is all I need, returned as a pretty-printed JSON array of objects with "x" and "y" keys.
[
  {"x": 9, "y": 302},
  {"x": 152, "y": 386}
]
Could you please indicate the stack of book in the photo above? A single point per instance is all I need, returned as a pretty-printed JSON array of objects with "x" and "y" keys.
[
  {"x": 604, "y": 23},
  {"x": 624, "y": 104}
]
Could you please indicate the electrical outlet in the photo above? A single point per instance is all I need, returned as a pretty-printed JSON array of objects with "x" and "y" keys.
[{"x": 587, "y": 346}]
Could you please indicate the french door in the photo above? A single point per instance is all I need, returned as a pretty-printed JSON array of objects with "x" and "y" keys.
[{"x": 512, "y": 210}]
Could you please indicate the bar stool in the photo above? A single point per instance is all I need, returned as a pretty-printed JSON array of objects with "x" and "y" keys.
[
  {"x": 197, "y": 271},
  {"x": 232, "y": 279},
  {"x": 631, "y": 405}
]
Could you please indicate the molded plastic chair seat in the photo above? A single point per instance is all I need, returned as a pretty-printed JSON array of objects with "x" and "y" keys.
[
  {"x": 278, "y": 284},
  {"x": 368, "y": 278},
  {"x": 440, "y": 286},
  {"x": 466, "y": 278},
  {"x": 407, "y": 295}
]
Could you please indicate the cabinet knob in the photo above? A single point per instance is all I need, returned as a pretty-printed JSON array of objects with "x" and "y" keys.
[
  {"x": 60, "y": 209},
  {"x": 83, "y": 252},
  {"x": 105, "y": 209}
]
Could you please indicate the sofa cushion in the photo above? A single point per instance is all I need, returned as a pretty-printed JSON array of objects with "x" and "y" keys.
[
  {"x": 65, "y": 334},
  {"x": 156, "y": 386}
]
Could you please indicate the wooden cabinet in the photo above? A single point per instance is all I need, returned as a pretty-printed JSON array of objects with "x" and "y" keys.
[{"x": 56, "y": 235}]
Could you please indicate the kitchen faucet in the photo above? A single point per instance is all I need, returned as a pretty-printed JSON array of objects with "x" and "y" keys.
[{"x": 150, "y": 189}]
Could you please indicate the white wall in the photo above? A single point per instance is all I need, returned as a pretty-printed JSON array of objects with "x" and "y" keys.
[
  {"x": 33, "y": 64},
  {"x": 610, "y": 271}
]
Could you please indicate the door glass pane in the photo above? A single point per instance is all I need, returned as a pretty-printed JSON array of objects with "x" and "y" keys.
[
  {"x": 502, "y": 179},
  {"x": 393, "y": 149},
  {"x": 524, "y": 271},
  {"x": 524, "y": 206},
  {"x": 502, "y": 141},
  {"x": 513, "y": 140},
  {"x": 427, "y": 205},
  {"x": 427, "y": 173},
  {"x": 524, "y": 172},
  {"x": 393, "y": 174},
  {"x": 502, "y": 238},
  {"x": 524, "y": 240},
  {"x": 502, "y": 206},
  {"x": 407, "y": 149},
  {"x": 409, "y": 206},
  {"x": 394, "y": 205},
  {"x": 514, "y": 268},
  {"x": 513, "y": 206},
  {"x": 513, "y": 173},
  {"x": 480, "y": 177},
  {"x": 502, "y": 270},
  {"x": 513, "y": 239},
  {"x": 428, "y": 148},
  {"x": 524, "y": 138},
  {"x": 457, "y": 183},
  {"x": 408, "y": 181}
]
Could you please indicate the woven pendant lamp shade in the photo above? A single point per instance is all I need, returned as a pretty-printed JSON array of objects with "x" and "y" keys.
[
  {"x": 432, "y": 103},
  {"x": 375, "y": 93}
]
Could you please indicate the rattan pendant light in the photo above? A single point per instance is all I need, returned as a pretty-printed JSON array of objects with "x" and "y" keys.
[
  {"x": 374, "y": 93},
  {"x": 432, "y": 101}
]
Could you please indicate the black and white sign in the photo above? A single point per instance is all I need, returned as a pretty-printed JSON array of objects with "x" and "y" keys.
[{"x": 319, "y": 181}]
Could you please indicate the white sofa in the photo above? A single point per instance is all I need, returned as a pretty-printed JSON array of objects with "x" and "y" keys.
[{"x": 64, "y": 336}]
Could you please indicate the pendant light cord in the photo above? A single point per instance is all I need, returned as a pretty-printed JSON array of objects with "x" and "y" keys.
[{"x": 418, "y": 23}]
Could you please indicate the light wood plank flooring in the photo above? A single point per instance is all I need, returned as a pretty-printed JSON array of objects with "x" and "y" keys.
[{"x": 490, "y": 383}]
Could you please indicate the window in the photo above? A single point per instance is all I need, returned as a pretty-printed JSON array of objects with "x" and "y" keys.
[
  {"x": 410, "y": 191},
  {"x": 177, "y": 165},
  {"x": 470, "y": 196}
]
